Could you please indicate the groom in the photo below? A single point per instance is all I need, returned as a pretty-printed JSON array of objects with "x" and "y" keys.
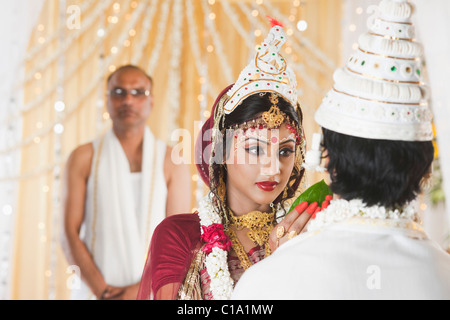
[
  {"x": 117, "y": 190},
  {"x": 377, "y": 138}
]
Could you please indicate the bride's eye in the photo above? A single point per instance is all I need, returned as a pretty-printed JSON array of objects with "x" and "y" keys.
[
  {"x": 286, "y": 152},
  {"x": 255, "y": 150}
]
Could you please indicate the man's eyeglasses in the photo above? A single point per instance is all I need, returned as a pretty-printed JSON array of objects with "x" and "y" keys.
[{"x": 119, "y": 93}]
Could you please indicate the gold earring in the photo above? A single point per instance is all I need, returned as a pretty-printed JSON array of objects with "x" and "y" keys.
[
  {"x": 285, "y": 193},
  {"x": 221, "y": 189}
]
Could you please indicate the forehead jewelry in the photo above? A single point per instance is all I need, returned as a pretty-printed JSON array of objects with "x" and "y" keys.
[{"x": 274, "y": 117}]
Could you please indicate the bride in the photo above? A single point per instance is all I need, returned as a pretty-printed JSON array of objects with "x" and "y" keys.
[{"x": 250, "y": 154}]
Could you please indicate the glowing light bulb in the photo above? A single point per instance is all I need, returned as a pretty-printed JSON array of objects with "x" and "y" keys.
[{"x": 302, "y": 25}]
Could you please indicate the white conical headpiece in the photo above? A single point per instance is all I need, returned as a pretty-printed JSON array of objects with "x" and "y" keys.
[
  {"x": 268, "y": 71},
  {"x": 379, "y": 94}
]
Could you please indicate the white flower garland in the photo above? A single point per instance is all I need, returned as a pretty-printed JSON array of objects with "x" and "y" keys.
[
  {"x": 340, "y": 210},
  {"x": 217, "y": 261}
]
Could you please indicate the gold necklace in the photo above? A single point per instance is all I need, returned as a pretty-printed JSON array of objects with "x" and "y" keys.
[{"x": 259, "y": 225}]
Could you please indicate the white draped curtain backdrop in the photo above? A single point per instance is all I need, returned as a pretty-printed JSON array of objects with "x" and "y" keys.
[
  {"x": 432, "y": 19},
  {"x": 17, "y": 19}
]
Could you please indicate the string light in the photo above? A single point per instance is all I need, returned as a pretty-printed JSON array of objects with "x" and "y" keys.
[
  {"x": 42, "y": 96},
  {"x": 160, "y": 33},
  {"x": 58, "y": 128},
  {"x": 59, "y": 106},
  {"x": 34, "y": 51},
  {"x": 113, "y": 19},
  {"x": 218, "y": 46},
  {"x": 175, "y": 64},
  {"x": 101, "y": 33},
  {"x": 67, "y": 43},
  {"x": 302, "y": 25},
  {"x": 147, "y": 25},
  {"x": 7, "y": 209}
]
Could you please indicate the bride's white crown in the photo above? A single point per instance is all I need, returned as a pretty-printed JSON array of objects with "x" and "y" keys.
[
  {"x": 268, "y": 71},
  {"x": 380, "y": 94}
]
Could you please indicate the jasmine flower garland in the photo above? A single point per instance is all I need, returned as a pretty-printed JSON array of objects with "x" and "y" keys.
[
  {"x": 340, "y": 210},
  {"x": 217, "y": 259}
]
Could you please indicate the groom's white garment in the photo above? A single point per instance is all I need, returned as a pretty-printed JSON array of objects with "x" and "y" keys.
[
  {"x": 351, "y": 261},
  {"x": 118, "y": 222}
]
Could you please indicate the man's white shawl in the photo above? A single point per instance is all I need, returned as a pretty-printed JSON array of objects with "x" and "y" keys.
[{"x": 116, "y": 235}]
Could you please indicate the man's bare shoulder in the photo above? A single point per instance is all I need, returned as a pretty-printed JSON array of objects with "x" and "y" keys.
[
  {"x": 175, "y": 166},
  {"x": 168, "y": 157},
  {"x": 81, "y": 158}
]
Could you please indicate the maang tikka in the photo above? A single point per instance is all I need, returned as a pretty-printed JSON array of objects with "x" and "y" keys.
[{"x": 274, "y": 117}]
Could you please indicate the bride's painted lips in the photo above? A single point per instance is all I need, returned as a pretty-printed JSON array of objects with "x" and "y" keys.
[{"x": 267, "y": 185}]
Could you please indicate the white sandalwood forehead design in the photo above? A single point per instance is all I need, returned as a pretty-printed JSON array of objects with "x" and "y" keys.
[{"x": 379, "y": 93}]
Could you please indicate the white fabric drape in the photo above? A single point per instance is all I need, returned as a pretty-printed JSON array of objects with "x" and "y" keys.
[
  {"x": 115, "y": 233},
  {"x": 433, "y": 30},
  {"x": 17, "y": 19},
  {"x": 357, "y": 259}
]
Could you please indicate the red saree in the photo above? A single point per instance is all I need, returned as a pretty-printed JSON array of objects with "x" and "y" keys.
[
  {"x": 175, "y": 266},
  {"x": 174, "y": 244}
]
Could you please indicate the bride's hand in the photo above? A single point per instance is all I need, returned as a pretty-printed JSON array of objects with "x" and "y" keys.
[{"x": 294, "y": 223}]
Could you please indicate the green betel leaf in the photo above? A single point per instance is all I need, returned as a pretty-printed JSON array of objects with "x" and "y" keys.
[{"x": 315, "y": 193}]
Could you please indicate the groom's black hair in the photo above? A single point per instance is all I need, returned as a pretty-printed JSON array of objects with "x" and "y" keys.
[{"x": 379, "y": 172}]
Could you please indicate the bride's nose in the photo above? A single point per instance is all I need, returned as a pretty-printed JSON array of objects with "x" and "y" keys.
[{"x": 270, "y": 165}]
